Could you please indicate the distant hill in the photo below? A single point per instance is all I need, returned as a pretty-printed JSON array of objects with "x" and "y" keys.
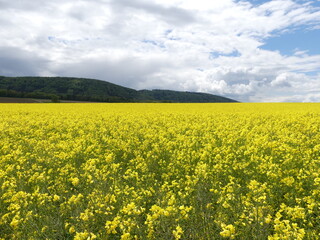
[{"x": 83, "y": 89}]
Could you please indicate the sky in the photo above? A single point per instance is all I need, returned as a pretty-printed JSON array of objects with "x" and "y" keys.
[{"x": 251, "y": 51}]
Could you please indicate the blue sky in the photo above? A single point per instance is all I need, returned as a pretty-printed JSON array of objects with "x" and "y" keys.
[
  {"x": 315, "y": 3},
  {"x": 293, "y": 41},
  {"x": 252, "y": 51}
]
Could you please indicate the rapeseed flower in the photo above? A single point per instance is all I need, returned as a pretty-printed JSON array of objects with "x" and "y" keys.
[{"x": 155, "y": 171}]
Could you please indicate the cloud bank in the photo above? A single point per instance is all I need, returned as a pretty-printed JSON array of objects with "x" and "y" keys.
[{"x": 207, "y": 46}]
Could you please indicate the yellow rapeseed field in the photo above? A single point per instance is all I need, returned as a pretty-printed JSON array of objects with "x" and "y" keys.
[{"x": 160, "y": 171}]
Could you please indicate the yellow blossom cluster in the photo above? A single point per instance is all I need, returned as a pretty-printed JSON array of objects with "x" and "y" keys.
[{"x": 160, "y": 171}]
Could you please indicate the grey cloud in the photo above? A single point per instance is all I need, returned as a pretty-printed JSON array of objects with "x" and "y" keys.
[
  {"x": 23, "y": 4},
  {"x": 6, "y": 22},
  {"x": 172, "y": 15},
  {"x": 281, "y": 84},
  {"x": 18, "y": 62},
  {"x": 28, "y": 5},
  {"x": 128, "y": 72},
  {"x": 80, "y": 11}
]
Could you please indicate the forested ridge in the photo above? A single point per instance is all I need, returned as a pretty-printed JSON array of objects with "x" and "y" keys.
[{"x": 83, "y": 89}]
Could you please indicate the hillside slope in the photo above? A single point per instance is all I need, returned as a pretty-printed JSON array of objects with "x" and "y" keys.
[{"x": 82, "y": 89}]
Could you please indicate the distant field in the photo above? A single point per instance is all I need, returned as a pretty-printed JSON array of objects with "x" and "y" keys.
[
  {"x": 159, "y": 171},
  {"x": 17, "y": 100},
  {"x": 31, "y": 100}
]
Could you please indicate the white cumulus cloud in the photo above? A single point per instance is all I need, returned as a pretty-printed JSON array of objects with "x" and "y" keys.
[{"x": 208, "y": 46}]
